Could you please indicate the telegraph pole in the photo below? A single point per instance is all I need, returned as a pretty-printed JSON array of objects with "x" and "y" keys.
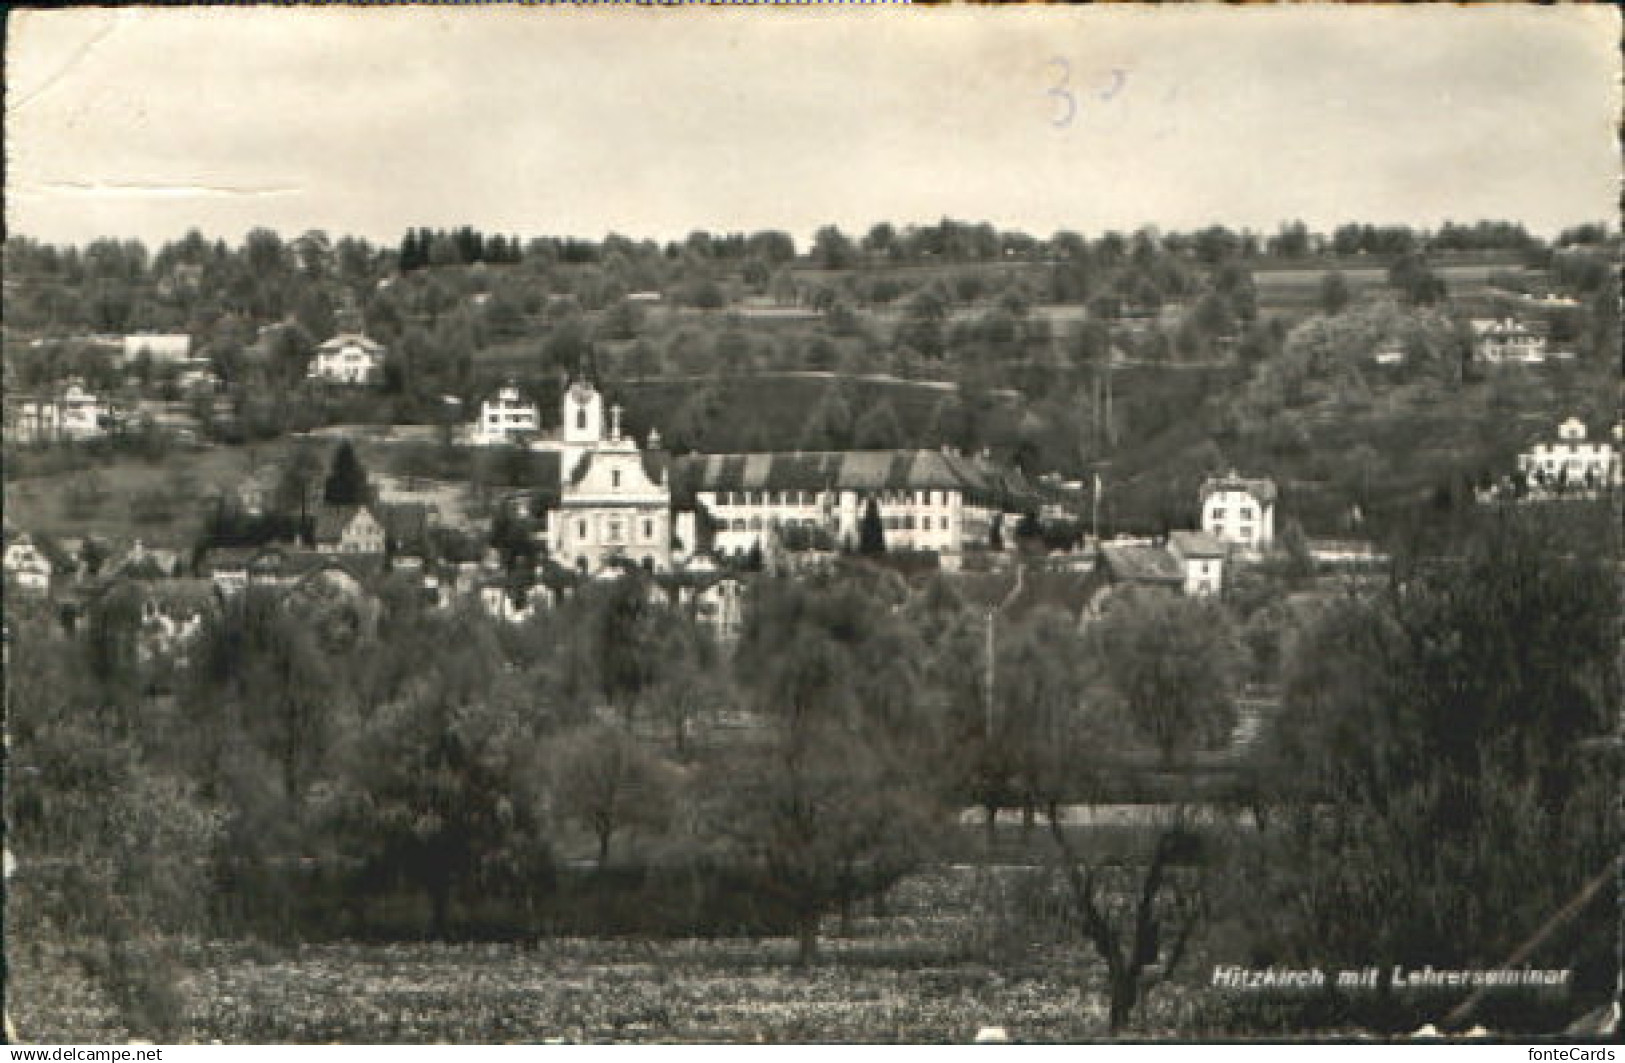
[{"x": 989, "y": 723}]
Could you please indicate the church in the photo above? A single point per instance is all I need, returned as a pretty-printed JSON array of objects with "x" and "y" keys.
[{"x": 614, "y": 498}]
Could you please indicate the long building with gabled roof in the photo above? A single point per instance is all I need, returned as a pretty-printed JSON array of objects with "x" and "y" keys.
[{"x": 933, "y": 500}]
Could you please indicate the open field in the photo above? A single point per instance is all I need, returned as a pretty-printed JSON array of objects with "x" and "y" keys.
[
  {"x": 124, "y": 497},
  {"x": 919, "y": 973},
  {"x": 1297, "y": 291}
]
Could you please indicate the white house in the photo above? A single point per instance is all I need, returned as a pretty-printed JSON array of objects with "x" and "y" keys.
[
  {"x": 1202, "y": 557},
  {"x": 160, "y": 347},
  {"x": 27, "y": 566},
  {"x": 1507, "y": 340},
  {"x": 716, "y": 600},
  {"x": 507, "y": 418},
  {"x": 74, "y": 414},
  {"x": 1572, "y": 461},
  {"x": 510, "y": 599},
  {"x": 1239, "y": 510},
  {"x": 348, "y": 358}
]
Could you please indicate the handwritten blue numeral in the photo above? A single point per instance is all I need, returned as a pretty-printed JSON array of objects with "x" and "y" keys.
[{"x": 1061, "y": 92}]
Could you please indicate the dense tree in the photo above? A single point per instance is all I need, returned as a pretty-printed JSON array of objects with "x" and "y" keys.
[
  {"x": 871, "y": 532},
  {"x": 830, "y": 809},
  {"x": 440, "y": 787},
  {"x": 346, "y": 483},
  {"x": 1173, "y": 664},
  {"x": 832, "y": 249},
  {"x": 1415, "y": 281},
  {"x": 111, "y": 845},
  {"x": 1334, "y": 292},
  {"x": 1457, "y": 706}
]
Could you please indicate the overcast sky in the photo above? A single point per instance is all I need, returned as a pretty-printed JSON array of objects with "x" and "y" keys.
[{"x": 656, "y": 122}]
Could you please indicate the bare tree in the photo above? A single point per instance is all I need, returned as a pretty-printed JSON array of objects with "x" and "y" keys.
[{"x": 605, "y": 780}]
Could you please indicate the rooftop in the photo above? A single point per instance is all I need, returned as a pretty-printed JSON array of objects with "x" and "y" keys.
[{"x": 1133, "y": 563}]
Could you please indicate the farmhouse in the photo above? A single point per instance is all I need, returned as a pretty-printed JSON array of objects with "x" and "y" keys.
[
  {"x": 348, "y": 358},
  {"x": 348, "y": 530},
  {"x": 1202, "y": 557},
  {"x": 1140, "y": 564}
]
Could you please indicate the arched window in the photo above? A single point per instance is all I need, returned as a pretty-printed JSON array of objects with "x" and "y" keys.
[{"x": 581, "y": 420}]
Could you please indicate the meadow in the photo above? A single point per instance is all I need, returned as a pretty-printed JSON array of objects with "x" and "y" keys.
[
  {"x": 934, "y": 967},
  {"x": 121, "y": 497},
  {"x": 1297, "y": 290}
]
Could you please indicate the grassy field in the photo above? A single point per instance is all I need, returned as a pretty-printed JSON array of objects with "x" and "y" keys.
[
  {"x": 162, "y": 503},
  {"x": 935, "y": 968},
  {"x": 1297, "y": 291}
]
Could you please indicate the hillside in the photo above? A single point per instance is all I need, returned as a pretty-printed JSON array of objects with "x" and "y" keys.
[{"x": 771, "y": 411}]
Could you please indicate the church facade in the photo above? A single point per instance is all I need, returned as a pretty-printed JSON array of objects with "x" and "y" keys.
[{"x": 614, "y": 501}]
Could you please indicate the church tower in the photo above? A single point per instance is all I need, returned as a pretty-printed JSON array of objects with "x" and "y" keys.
[{"x": 581, "y": 422}]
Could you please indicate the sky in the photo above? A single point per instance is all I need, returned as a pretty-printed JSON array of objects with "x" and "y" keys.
[{"x": 655, "y": 122}]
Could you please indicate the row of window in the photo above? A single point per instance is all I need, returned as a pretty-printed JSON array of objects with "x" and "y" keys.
[
  {"x": 1244, "y": 532},
  {"x": 757, "y": 524},
  {"x": 615, "y": 530},
  {"x": 809, "y": 498},
  {"x": 904, "y": 523},
  {"x": 1573, "y": 464},
  {"x": 646, "y": 562},
  {"x": 1218, "y": 513}
]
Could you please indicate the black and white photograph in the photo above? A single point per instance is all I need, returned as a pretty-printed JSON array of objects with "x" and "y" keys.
[{"x": 665, "y": 524}]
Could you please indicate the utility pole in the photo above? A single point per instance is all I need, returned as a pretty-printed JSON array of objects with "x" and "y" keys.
[
  {"x": 989, "y": 723},
  {"x": 1094, "y": 507}
]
